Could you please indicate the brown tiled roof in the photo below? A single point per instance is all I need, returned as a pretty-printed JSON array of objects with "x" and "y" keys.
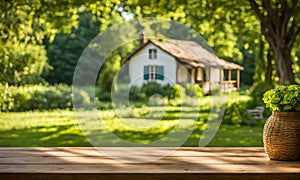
[{"x": 191, "y": 53}]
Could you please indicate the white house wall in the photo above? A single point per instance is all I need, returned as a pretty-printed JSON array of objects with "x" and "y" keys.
[{"x": 141, "y": 59}]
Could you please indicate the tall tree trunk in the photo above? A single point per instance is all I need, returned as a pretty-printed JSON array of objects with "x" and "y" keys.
[
  {"x": 280, "y": 26},
  {"x": 268, "y": 76},
  {"x": 284, "y": 64}
]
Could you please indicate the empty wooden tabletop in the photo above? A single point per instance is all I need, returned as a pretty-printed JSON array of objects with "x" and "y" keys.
[{"x": 143, "y": 163}]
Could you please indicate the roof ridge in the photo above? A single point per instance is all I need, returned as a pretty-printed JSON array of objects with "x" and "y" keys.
[{"x": 189, "y": 52}]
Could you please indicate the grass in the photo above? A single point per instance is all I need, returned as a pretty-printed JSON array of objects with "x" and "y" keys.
[
  {"x": 33, "y": 129},
  {"x": 140, "y": 125}
]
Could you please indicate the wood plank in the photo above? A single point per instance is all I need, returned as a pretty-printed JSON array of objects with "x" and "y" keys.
[
  {"x": 103, "y": 160},
  {"x": 153, "y": 151},
  {"x": 180, "y": 168},
  {"x": 190, "y": 176}
]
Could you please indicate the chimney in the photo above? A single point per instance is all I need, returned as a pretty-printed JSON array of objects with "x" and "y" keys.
[{"x": 142, "y": 39}]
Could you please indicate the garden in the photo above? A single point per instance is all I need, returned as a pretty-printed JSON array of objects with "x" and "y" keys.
[
  {"x": 42, "y": 116},
  {"x": 41, "y": 43}
]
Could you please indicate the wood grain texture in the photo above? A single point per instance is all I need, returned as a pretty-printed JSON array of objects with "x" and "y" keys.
[{"x": 185, "y": 163}]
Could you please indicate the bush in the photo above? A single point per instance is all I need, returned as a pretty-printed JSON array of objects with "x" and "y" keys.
[
  {"x": 177, "y": 92},
  {"x": 6, "y": 100},
  {"x": 136, "y": 94},
  {"x": 236, "y": 111},
  {"x": 152, "y": 88},
  {"x": 216, "y": 89},
  {"x": 39, "y": 97},
  {"x": 194, "y": 90},
  {"x": 104, "y": 96}
]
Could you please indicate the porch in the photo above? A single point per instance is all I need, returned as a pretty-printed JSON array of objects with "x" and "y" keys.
[
  {"x": 225, "y": 86},
  {"x": 226, "y": 76},
  {"x": 221, "y": 73}
]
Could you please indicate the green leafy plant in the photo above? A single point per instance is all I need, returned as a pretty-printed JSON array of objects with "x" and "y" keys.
[
  {"x": 283, "y": 98},
  {"x": 194, "y": 90}
]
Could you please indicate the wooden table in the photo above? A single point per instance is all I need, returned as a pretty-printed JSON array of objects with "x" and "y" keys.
[{"x": 185, "y": 163}]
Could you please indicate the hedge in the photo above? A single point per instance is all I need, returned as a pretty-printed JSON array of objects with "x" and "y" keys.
[{"x": 38, "y": 97}]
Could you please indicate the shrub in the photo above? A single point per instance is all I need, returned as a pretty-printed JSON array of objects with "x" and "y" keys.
[
  {"x": 82, "y": 99},
  {"x": 216, "y": 89},
  {"x": 104, "y": 96},
  {"x": 167, "y": 90},
  {"x": 42, "y": 97},
  {"x": 257, "y": 91},
  {"x": 236, "y": 111},
  {"x": 177, "y": 91},
  {"x": 152, "y": 88},
  {"x": 194, "y": 90},
  {"x": 6, "y": 100},
  {"x": 136, "y": 94}
]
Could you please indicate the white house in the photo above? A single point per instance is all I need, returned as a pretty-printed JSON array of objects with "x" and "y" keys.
[{"x": 180, "y": 62}]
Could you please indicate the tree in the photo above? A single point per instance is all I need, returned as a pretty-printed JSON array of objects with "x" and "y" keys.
[
  {"x": 23, "y": 26},
  {"x": 64, "y": 52},
  {"x": 224, "y": 22},
  {"x": 212, "y": 19},
  {"x": 228, "y": 27},
  {"x": 280, "y": 25}
]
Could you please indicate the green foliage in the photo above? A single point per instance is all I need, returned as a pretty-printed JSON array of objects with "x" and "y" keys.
[
  {"x": 236, "y": 110},
  {"x": 64, "y": 52},
  {"x": 216, "y": 89},
  {"x": 266, "y": 13},
  {"x": 236, "y": 113},
  {"x": 283, "y": 98},
  {"x": 39, "y": 97},
  {"x": 171, "y": 92},
  {"x": 152, "y": 88},
  {"x": 112, "y": 63},
  {"x": 108, "y": 72},
  {"x": 22, "y": 63},
  {"x": 257, "y": 91},
  {"x": 136, "y": 94},
  {"x": 249, "y": 66},
  {"x": 194, "y": 90},
  {"x": 6, "y": 100},
  {"x": 23, "y": 26},
  {"x": 177, "y": 91},
  {"x": 104, "y": 96},
  {"x": 220, "y": 22}
]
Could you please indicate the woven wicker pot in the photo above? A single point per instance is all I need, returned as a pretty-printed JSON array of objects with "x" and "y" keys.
[{"x": 282, "y": 136}]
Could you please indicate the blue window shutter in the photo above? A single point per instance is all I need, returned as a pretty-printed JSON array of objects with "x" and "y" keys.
[
  {"x": 146, "y": 73},
  {"x": 150, "y": 53},
  {"x": 160, "y": 70}
]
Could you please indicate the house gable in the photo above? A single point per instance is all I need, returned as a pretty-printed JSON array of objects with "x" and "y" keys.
[{"x": 141, "y": 64}]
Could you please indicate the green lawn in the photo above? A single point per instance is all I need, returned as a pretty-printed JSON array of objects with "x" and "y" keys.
[{"x": 60, "y": 128}]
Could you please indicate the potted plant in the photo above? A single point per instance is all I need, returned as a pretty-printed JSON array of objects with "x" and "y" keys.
[{"x": 281, "y": 134}]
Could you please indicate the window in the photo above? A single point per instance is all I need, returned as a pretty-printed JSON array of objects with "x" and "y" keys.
[
  {"x": 152, "y": 53},
  {"x": 153, "y": 72}
]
